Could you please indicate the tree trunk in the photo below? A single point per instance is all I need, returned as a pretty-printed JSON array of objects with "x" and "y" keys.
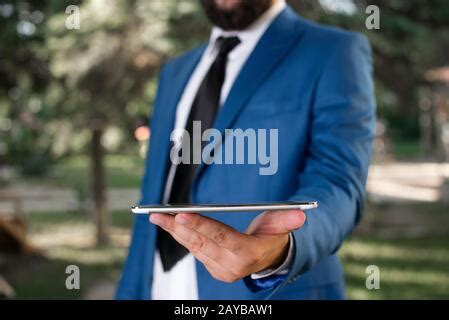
[
  {"x": 99, "y": 187},
  {"x": 426, "y": 123}
]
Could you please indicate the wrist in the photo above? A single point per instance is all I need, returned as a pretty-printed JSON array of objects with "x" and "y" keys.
[{"x": 279, "y": 253}]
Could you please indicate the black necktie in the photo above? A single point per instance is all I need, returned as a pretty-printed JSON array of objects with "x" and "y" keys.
[{"x": 204, "y": 108}]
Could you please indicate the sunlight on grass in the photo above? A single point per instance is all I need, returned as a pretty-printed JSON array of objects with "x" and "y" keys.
[
  {"x": 409, "y": 268},
  {"x": 122, "y": 171},
  {"x": 374, "y": 250},
  {"x": 72, "y": 238},
  {"x": 403, "y": 276},
  {"x": 89, "y": 256},
  {"x": 68, "y": 239}
]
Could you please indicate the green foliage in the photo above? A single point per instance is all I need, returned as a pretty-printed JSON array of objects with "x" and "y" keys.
[
  {"x": 413, "y": 38},
  {"x": 56, "y": 84}
]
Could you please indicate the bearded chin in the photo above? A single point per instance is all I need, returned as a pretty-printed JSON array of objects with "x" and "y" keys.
[{"x": 238, "y": 18}]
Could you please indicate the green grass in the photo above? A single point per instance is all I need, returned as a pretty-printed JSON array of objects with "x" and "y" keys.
[
  {"x": 406, "y": 149},
  {"x": 410, "y": 267},
  {"x": 44, "y": 277},
  {"x": 41, "y": 221},
  {"x": 122, "y": 171}
]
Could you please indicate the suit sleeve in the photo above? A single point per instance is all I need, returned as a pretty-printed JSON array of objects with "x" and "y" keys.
[{"x": 339, "y": 153}]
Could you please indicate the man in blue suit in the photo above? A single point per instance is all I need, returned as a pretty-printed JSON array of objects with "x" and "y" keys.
[{"x": 264, "y": 68}]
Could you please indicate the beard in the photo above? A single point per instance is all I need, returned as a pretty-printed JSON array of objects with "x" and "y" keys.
[{"x": 238, "y": 18}]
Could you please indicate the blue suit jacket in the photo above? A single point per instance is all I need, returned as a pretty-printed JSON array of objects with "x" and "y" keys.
[{"x": 314, "y": 85}]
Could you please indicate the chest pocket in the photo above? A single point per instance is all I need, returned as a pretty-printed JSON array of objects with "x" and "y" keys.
[{"x": 264, "y": 109}]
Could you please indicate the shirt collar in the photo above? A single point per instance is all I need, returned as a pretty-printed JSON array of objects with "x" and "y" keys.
[{"x": 250, "y": 36}]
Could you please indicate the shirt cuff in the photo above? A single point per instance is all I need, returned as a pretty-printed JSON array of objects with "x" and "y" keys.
[{"x": 283, "y": 268}]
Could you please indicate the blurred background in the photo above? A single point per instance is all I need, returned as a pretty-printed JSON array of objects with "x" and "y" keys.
[{"x": 74, "y": 112}]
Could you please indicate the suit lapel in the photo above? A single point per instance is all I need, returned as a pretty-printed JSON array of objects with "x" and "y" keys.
[{"x": 268, "y": 53}]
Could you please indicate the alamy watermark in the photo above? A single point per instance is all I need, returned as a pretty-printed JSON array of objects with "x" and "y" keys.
[
  {"x": 372, "y": 22},
  {"x": 248, "y": 146},
  {"x": 73, "y": 21},
  {"x": 372, "y": 281},
  {"x": 72, "y": 281}
]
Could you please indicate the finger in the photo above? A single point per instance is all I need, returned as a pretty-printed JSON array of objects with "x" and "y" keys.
[
  {"x": 222, "y": 234},
  {"x": 277, "y": 222},
  {"x": 191, "y": 239},
  {"x": 162, "y": 220},
  {"x": 196, "y": 242},
  {"x": 220, "y": 261},
  {"x": 219, "y": 266},
  {"x": 214, "y": 268}
]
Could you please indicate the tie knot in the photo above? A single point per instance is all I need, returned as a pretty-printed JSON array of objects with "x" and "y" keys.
[{"x": 227, "y": 44}]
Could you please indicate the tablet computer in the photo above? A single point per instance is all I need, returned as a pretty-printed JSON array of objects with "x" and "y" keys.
[{"x": 179, "y": 208}]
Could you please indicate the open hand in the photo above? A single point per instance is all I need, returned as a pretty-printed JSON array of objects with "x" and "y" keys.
[{"x": 230, "y": 255}]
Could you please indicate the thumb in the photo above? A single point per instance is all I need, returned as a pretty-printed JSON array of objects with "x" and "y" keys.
[{"x": 277, "y": 222}]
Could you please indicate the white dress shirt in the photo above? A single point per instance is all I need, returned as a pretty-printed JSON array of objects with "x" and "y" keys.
[{"x": 180, "y": 281}]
